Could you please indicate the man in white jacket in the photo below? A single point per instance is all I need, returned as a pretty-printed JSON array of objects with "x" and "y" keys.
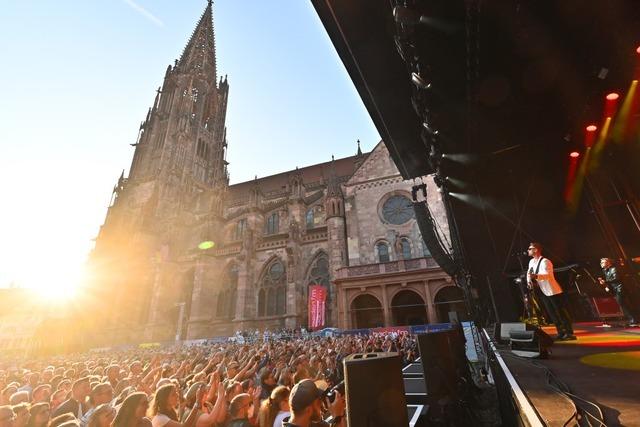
[{"x": 540, "y": 274}]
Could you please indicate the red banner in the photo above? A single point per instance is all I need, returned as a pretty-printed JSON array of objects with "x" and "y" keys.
[{"x": 317, "y": 298}]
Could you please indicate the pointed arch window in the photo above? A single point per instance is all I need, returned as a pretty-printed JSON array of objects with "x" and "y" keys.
[
  {"x": 272, "y": 225},
  {"x": 319, "y": 272},
  {"x": 382, "y": 250},
  {"x": 310, "y": 218},
  {"x": 240, "y": 227},
  {"x": 319, "y": 275},
  {"x": 227, "y": 295},
  {"x": 272, "y": 296}
]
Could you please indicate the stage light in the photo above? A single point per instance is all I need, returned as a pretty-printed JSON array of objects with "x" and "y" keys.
[
  {"x": 612, "y": 96},
  {"x": 574, "y": 154},
  {"x": 406, "y": 16},
  {"x": 419, "y": 81},
  {"x": 429, "y": 129},
  {"x": 638, "y": 49},
  {"x": 592, "y": 128}
]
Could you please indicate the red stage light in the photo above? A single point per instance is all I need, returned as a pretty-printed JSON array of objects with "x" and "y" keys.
[
  {"x": 592, "y": 128},
  {"x": 612, "y": 96},
  {"x": 638, "y": 49},
  {"x": 574, "y": 154}
]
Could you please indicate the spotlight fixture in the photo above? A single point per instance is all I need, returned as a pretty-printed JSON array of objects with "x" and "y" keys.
[
  {"x": 612, "y": 96},
  {"x": 574, "y": 154},
  {"x": 592, "y": 128},
  {"x": 638, "y": 50},
  {"x": 419, "y": 81},
  {"x": 429, "y": 129},
  {"x": 405, "y": 16}
]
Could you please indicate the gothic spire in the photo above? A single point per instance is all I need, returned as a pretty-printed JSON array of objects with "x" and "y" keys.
[
  {"x": 333, "y": 183},
  {"x": 200, "y": 53},
  {"x": 359, "y": 152}
]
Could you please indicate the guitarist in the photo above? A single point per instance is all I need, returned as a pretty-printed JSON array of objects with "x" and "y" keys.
[
  {"x": 612, "y": 280},
  {"x": 551, "y": 295}
]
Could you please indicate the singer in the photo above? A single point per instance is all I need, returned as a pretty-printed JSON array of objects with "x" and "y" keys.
[{"x": 541, "y": 275}]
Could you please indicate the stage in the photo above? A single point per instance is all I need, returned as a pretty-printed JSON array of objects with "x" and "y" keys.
[{"x": 602, "y": 366}]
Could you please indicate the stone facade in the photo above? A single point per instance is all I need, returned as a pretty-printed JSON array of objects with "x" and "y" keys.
[{"x": 184, "y": 254}]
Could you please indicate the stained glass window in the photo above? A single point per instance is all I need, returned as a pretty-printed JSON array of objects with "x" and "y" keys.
[
  {"x": 406, "y": 249},
  {"x": 226, "y": 298},
  {"x": 309, "y": 218},
  {"x": 397, "y": 210},
  {"x": 273, "y": 291},
  {"x": 383, "y": 252},
  {"x": 272, "y": 225}
]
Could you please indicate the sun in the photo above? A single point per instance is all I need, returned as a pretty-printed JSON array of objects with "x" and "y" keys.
[{"x": 55, "y": 281}]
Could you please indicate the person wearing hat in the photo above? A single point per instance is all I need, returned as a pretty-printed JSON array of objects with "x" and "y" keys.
[{"x": 306, "y": 405}]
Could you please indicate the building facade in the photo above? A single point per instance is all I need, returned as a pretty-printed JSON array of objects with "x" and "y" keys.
[{"x": 183, "y": 254}]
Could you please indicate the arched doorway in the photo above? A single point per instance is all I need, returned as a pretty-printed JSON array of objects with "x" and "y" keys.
[
  {"x": 408, "y": 308},
  {"x": 450, "y": 299},
  {"x": 366, "y": 312}
]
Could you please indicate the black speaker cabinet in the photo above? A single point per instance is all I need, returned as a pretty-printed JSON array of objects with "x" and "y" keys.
[
  {"x": 375, "y": 390},
  {"x": 443, "y": 361}
]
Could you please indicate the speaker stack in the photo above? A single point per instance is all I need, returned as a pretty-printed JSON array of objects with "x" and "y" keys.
[
  {"x": 374, "y": 389},
  {"x": 444, "y": 363}
]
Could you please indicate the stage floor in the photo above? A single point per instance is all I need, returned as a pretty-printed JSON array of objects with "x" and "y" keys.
[{"x": 602, "y": 366}]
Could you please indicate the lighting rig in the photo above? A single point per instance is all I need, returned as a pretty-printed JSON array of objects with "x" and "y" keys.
[{"x": 425, "y": 102}]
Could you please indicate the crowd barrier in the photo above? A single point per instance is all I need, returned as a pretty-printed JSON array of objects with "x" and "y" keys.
[{"x": 251, "y": 338}]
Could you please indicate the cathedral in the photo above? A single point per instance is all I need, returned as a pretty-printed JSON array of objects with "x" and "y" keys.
[{"x": 182, "y": 254}]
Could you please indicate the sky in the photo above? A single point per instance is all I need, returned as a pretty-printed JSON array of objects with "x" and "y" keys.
[{"x": 78, "y": 78}]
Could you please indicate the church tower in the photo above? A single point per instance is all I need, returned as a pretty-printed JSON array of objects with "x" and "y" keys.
[
  {"x": 336, "y": 237},
  {"x": 176, "y": 184}
]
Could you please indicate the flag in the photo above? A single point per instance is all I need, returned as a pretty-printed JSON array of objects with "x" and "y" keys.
[{"x": 317, "y": 298}]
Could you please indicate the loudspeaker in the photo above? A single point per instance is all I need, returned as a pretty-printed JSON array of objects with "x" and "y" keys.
[
  {"x": 444, "y": 362},
  {"x": 375, "y": 390},
  {"x": 502, "y": 331},
  {"x": 533, "y": 343},
  {"x": 428, "y": 231},
  {"x": 607, "y": 307}
]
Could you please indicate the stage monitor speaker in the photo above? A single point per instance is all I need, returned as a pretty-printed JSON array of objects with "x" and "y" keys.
[
  {"x": 532, "y": 344},
  {"x": 607, "y": 308},
  {"x": 444, "y": 362},
  {"x": 375, "y": 390},
  {"x": 502, "y": 331}
]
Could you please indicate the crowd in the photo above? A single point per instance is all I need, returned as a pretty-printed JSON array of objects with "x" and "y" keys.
[{"x": 265, "y": 383}]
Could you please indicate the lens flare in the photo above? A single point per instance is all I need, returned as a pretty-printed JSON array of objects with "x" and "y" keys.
[{"x": 207, "y": 244}]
